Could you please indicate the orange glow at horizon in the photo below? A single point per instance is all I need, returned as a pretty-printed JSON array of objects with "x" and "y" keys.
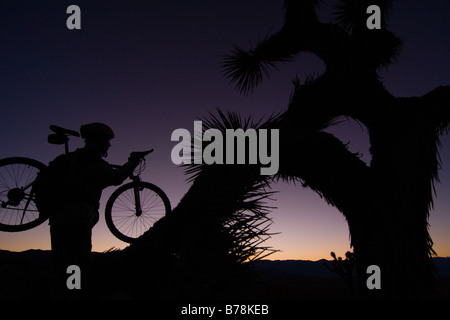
[{"x": 102, "y": 240}]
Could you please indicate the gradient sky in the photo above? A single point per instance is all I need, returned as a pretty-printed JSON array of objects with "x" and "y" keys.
[{"x": 149, "y": 67}]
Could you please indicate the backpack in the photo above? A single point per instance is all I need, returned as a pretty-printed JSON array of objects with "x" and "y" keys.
[{"x": 50, "y": 186}]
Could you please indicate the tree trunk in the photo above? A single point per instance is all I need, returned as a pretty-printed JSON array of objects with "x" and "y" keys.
[
  {"x": 404, "y": 261},
  {"x": 387, "y": 204}
]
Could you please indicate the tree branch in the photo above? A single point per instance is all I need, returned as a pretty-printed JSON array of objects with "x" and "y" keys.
[
  {"x": 437, "y": 104},
  {"x": 325, "y": 165}
]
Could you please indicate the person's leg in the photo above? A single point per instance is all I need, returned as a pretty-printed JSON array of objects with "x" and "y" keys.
[{"x": 71, "y": 245}]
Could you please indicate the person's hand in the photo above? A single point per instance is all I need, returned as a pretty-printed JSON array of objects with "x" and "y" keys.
[
  {"x": 140, "y": 155},
  {"x": 135, "y": 157}
]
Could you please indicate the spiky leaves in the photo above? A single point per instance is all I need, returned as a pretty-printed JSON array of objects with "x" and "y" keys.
[
  {"x": 222, "y": 122},
  {"x": 351, "y": 15},
  {"x": 248, "y": 68},
  {"x": 244, "y": 68},
  {"x": 379, "y": 48},
  {"x": 346, "y": 44},
  {"x": 233, "y": 197},
  {"x": 248, "y": 227}
]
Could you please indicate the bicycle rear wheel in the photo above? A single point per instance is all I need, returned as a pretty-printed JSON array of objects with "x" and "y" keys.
[
  {"x": 18, "y": 211},
  {"x": 122, "y": 216}
]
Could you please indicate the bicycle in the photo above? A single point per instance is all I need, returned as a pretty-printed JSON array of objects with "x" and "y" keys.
[{"x": 130, "y": 211}]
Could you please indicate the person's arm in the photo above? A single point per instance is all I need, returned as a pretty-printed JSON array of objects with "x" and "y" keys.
[{"x": 116, "y": 175}]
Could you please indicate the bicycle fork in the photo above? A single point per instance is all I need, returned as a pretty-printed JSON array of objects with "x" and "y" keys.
[{"x": 137, "y": 197}]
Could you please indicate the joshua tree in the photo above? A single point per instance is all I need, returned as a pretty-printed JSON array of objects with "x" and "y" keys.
[
  {"x": 222, "y": 220},
  {"x": 387, "y": 203},
  {"x": 343, "y": 268},
  {"x": 203, "y": 247}
]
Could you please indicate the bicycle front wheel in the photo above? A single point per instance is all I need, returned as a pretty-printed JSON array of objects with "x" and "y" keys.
[
  {"x": 134, "y": 208},
  {"x": 18, "y": 211}
]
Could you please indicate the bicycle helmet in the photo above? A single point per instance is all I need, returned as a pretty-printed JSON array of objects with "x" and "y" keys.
[{"x": 96, "y": 129}]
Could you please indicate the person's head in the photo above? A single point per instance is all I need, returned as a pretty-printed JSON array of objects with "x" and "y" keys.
[{"x": 97, "y": 136}]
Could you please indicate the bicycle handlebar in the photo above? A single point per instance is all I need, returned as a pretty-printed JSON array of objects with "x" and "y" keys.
[{"x": 141, "y": 154}]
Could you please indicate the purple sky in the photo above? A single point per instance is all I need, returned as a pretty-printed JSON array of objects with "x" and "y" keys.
[{"x": 149, "y": 67}]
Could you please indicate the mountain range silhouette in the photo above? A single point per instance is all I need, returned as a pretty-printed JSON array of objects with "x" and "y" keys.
[{"x": 25, "y": 274}]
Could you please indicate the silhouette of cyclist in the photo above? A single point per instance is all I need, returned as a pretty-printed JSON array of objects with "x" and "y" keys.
[{"x": 87, "y": 175}]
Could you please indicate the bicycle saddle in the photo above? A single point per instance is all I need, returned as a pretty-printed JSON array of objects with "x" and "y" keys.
[{"x": 62, "y": 131}]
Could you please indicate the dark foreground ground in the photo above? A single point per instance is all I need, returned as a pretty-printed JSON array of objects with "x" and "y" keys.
[{"x": 26, "y": 275}]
